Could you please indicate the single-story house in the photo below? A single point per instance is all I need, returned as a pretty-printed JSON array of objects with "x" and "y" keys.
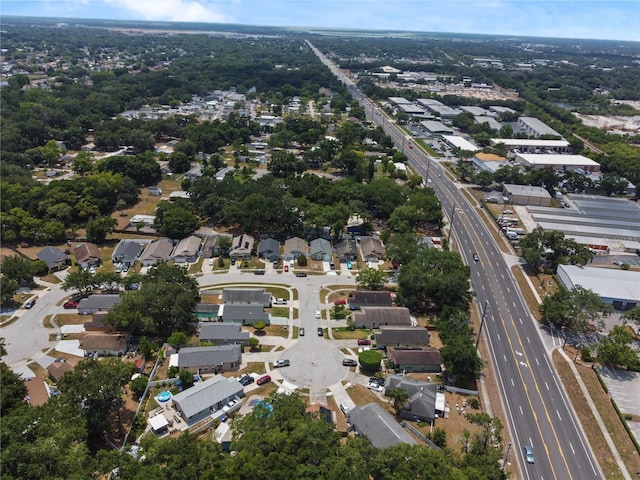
[
  {"x": 371, "y": 298},
  {"x": 241, "y": 246},
  {"x": 269, "y": 248},
  {"x": 223, "y": 333},
  {"x": 55, "y": 258},
  {"x": 205, "y": 398},
  {"x": 158, "y": 251},
  {"x": 347, "y": 250},
  {"x": 396, "y": 336},
  {"x": 372, "y": 249},
  {"x": 211, "y": 247},
  {"x": 216, "y": 359},
  {"x": 187, "y": 250},
  {"x": 98, "y": 303},
  {"x": 194, "y": 173},
  {"x": 96, "y": 324},
  {"x": 354, "y": 225},
  {"x": 57, "y": 369},
  {"x": 414, "y": 359},
  {"x": 378, "y": 426},
  {"x": 425, "y": 402},
  {"x": 127, "y": 252},
  {"x": 257, "y": 296},
  {"x": 154, "y": 191},
  {"x": 207, "y": 311},
  {"x": 110, "y": 344},
  {"x": 294, "y": 247},
  {"x": 321, "y": 249},
  {"x": 245, "y": 314},
  {"x": 375, "y": 317},
  {"x": 87, "y": 255}
]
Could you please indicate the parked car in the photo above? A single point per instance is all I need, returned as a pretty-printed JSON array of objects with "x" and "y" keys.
[
  {"x": 211, "y": 262},
  {"x": 617, "y": 263},
  {"x": 528, "y": 454},
  {"x": 264, "y": 379},
  {"x": 320, "y": 332},
  {"x": 349, "y": 362},
  {"x": 376, "y": 387},
  {"x": 233, "y": 261},
  {"x": 246, "y": 380},
  {"x": 279, "y": 301},
  {"x": 301, "y": 274},
  {"x": 379, "y": 381},
  {"x": 340, "y": 301},
  {"x": 302, "y": 332},
  {"x": 118, "y": 268},
  {"x": 286, "y": 268},
  {"x": 92, "y": 270},
  {"x": 281, "y": 363},
  {"x": 71, "y": 304},
  {"x": 349, "y": 266},
  {"x": 344, "y": 409},
  {"x": 259, "y": 272},
  {"x": 318, "y": 314},
  {"x": 364, "y": 341},
  {"x": 229, "y": 405},
  {"x": 30, "y": 303}
]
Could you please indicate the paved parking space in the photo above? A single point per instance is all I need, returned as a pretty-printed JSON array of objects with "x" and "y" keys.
[{"x": 624, "y": 387}]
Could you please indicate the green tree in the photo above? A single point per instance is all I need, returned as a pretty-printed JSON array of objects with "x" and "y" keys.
[
  {"x": 284, "y": 164},
  {"x": 439, "y": 437},
  {"x": 632, "y": 315},
  {"x": 175, "y": 220},
  {"x": 302, "y": 261},
  {"x": 371, "y": 279},
  {"x": 400, "y": 398},
  {"x": 186, "y": 379},
  {"x": 616, "y": 349},
  {"x": 18, "y": 268},
  {"x": 177, "y": 339},
  {"x": 138, "y": 386},
  {"x": 83, "y": 163},
  {"x": 574, "y": 311},
  {"x": 461, "y": 360},
  {"x": 146, "y": 347},
  {"x": 253, "y": 343},
  {"x": 259, "y": 325},
  {"x": 99, "y": 227},
  {"x": 8, "y": 288},
  {"x": 370, "y": 360}
]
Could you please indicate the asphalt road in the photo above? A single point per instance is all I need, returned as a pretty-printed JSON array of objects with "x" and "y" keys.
[{"x": 536, "y": 406}]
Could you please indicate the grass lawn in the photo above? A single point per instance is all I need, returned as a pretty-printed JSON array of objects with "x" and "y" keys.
[
  {"x": 280, "y": 312},
  {"x": 344, "y": 333},
  {"x": 69, "y": 319},
  {"x": 274, "y": 330}
]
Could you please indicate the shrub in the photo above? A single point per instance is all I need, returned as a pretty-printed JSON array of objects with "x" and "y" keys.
[
  {"x": 302, "y": 261},
  {"x": 474, "y": 403},
  {"x": 370, "y": 361},
  {"x": 585, "y": 353}
]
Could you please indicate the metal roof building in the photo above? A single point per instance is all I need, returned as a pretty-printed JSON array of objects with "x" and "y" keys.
[
  {"x": 460, "y": 142},
  {"x": 618, "y": 287},
  {"x": 536, "y": 127},
  {"x": 558, "y": 161},
  {"x": 204, "y": 398}
]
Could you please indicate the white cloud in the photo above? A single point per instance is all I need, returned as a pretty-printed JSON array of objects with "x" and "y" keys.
[{"x": 171, "y": 10}]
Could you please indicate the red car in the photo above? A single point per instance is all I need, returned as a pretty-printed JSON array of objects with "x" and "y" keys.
[
  {"x": 286, "y": 268},
  {"x": 71, "y": 304},
  {"x": 264, "y": 379},
  {"x": 364, "y": 341},
  {"x": 340, "y": 301}
]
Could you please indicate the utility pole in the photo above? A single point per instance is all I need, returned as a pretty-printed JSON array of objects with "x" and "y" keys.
[
  {"x": 453, "y": 212},
  {"x": 484, "y": 314}
]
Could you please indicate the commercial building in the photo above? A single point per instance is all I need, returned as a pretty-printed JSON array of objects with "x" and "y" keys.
[
  {"x": 620, "y": 288},
  {"x": 536, "y": 127},
  {"x": 527, "y": 145},
  {"x": 560, "y": 162},
  {"x": 434, "y": 127},
  {"x": 526, "y": 195},
  {"x": 460, "y": 142}
]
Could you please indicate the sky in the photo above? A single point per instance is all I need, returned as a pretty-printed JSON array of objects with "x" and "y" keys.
[{"x": 597, "y": 19}]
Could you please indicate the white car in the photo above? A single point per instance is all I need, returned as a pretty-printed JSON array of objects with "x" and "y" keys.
[
  {"x": 318, "y": 314},
  {"x": 211, "y": 262},
  {"x": 92, "y": 270},
  {"x": 375, "y": 387}
]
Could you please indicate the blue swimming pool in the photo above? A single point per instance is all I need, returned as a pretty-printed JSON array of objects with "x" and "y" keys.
[{"x": 164, "y": 396}]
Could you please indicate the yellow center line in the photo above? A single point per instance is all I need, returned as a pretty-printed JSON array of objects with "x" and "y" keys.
[{"x": 473, "y": 233}]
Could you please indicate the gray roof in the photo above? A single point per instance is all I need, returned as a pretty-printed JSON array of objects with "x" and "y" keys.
[
  {"x": 295, "y": 245},
  {"x": 246, "y": 295},
  {"x": 269, "y": 246},
  {"x": 378, "y": 426},
  {"x": 205, "y": 394},
  {"x": 382, "y": 316},
  {"x": 347, "y": 247},
  {"x": 208, "y": 356},
  {"x": 380, "y": 298},
  {"x": 605, "y": 282},
  {"x": 99, "y": 302},
  {"x": 372, "y": 246},
  {"x": 320, "y": 245},
  {"x": 127, "y": 250},
  {"x": 527, "y": 190},
  {"x": 241, "y": 245},
  {"x": 399, "y": 335},
  {"x": 422, "y": 395},
  {"x": 250, "y": 312},
  {"x": 222, "y": 331},
  {"x": 159, "y": 249},
  {"x": 538, "y": 126},
  {"x": 188, "y": 247},
  {"x": 53, "y": 256},
  {"x": 414, "y": 355}
]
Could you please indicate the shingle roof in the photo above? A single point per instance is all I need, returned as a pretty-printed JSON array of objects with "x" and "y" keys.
[
  {"x": 252, "y": 312},
  {"x": 127, "y": 250},
  {"x": 320, "y": 245},
  {"x": 414, "y": 356},
  {"x": 246, "y": 295},
  {"x": 347, "y": 247},
  {"x": 159, "y": 249},
  {"x": 400, "y": 335},
  {"x": 188, "y": 247},
  {"x": 53, "y": 256},
  {"x": 222, "y": 331},
  {"x": 378, "y": 298},
  {"x": 379, "y": 426},
  {"x": 295, "y": 245},
  {"x": 268, "y": 246},
  {"x": 104, "y": 341},
  {"x": 208, "y": 356},
  {"x": 205, "y": 394},
  {"x": 86, "y": 251},
  {"x": 382, "y": 316},
  {"x": 372, "y": 247},
  {"x": 99, "y": 302}
]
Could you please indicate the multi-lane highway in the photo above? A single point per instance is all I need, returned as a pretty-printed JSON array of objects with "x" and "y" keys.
[{"x": 537, "y": 409}]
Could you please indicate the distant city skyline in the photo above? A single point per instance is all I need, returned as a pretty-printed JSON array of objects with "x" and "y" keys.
[{"x": 590, "y": 19}]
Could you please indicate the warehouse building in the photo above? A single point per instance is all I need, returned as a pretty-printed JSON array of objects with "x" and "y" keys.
[
  {"x": 455, "y": 141},
  {"x": 526, "y": 195},
  {"x": 619, "y": 288},
  {"x": 435, "y": 128},
  {"x": 536, "y": 127},
  {"x": 560, "y": 162},
  {"x": 526, "y": 145}
]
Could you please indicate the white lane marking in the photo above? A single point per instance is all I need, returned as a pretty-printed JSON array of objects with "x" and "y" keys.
[
  {"x": 520, "y": 320},
  {"x": 512, "y": 384},
  {"x": 521, "y": 412},
  {"x": 528, "y": 340},
  {"x": 537, "y": 363},
  {"x": 574, "y": 452},
  {"x": 505, "y": 357},
  {"x": 559, "y": 416},
  {"x": 508, "y": 290},
  {"x": 498, "y": 334},
  {"x": 546, "y": 385}
]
